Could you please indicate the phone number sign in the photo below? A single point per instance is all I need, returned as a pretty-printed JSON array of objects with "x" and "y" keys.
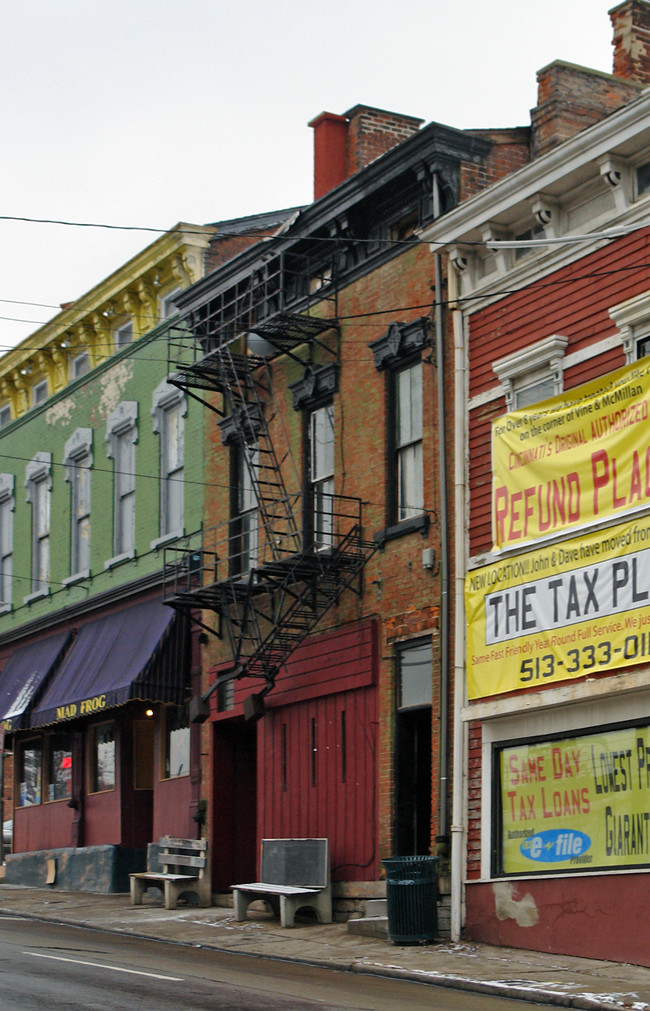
[{"x": 562, "y": 612}]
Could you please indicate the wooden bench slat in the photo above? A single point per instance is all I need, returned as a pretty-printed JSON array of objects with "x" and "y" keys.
[
  {"x": 184, "y": 844},
  {"x": 181, "y": 859}
]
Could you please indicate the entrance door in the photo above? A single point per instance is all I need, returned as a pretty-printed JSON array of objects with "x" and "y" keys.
[
  {"x": 413, "y": 750},
  {"x": 234, "y": 803}
]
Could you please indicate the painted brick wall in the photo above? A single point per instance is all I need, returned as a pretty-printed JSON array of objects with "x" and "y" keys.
[{"x": 87, "y": 404}]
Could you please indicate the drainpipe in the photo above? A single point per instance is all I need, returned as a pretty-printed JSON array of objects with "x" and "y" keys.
[
  {"x": 459, "y": 801},
  {"x": 443, "y": 824}
]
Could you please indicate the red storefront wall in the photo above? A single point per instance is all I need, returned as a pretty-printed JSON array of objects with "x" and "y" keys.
[{"x": 313, "y": 759}]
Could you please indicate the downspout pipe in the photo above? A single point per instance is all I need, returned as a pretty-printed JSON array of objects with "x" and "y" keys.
[
  {"x": 460, "y": 796},
  {"x": 443, "y": 823}
]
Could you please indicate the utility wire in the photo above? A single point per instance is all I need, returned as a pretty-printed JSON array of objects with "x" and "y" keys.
[{"x": 573, "y": 279}]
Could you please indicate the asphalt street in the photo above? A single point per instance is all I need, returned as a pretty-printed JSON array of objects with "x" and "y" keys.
[{"x": 44, "y": 965}]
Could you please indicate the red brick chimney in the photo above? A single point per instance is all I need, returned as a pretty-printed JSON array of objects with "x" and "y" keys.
[
  {"x": 345, "y": 144},
  {"x": 330, "y": 152},
  {"x": 631, "y": 24}
]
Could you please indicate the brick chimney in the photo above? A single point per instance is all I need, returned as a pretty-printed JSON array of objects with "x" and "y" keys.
[
  {"x": 330, "y": 152},
  {"x": 631, "y": 24},
  {"x": 345, "y": 144}
]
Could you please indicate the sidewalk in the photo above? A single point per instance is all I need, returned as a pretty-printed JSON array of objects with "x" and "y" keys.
[{"x": 558, "y": 980}]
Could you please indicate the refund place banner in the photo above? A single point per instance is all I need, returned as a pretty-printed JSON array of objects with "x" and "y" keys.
[
  {"x": 576, "y": 608},
  {"x": 572, "y": 460}
]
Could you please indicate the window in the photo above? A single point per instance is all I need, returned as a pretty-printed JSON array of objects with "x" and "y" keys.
[
  {"x": 413, "y": 771},
  {"x": 59, "y": 767},
  {"x": 534, "y": 373},
  {"x": 167, "y": 307},
  {"x": 29, "y": 773},
  {"x": 643, "y": 179},
  {"x": 38, "y": 483},
  {"x": 632, "y": 318},
  {"x": 321, "y": 452},
  {"x": 5, "y": 415},
  {"x": 80, "y": 365},
  {"x": 7, "y": 505},
  {"x": 168, "y": 412},
  {"x": 39, "y": 393},
  {"x": 121, "y": 437},
  {"x": 313, "y": 394},
  {"x": 415, "y": 674},
  {"x": 177, "y": 742},
  {"x": 102, "y": 757},
  {"x": 77, "y": 460},
  {"x": 245, "y": 466},
  {"x": 123, "y": 335},
  {"x": 246, "y": 519},
  {"x": 407, "y": 468},
  {"x": 643, "y": 347},
  {"x": 398, "y": 353}
]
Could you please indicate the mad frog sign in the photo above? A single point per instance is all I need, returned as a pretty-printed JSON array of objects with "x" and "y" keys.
[{"x": 578, "y": 803}]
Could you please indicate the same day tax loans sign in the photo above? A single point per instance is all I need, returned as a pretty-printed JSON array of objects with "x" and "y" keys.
[
  {"x": 573, "y": 459},
  {"x": 576, "y": 803}
]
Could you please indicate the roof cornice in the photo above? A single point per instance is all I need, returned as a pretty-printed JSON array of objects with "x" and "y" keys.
[
  {"x": 436, "y": 145},
  {"x": 538, "y": 176}
]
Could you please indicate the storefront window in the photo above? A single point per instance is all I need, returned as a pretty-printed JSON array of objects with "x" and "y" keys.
[
  {"x": 30, "y": 774},
  {"x": 578, "y": 803},
  {"x": 102, "y": 757},
  {"x": 177, "y": 742},
  {"x": 59, "y": 767}
]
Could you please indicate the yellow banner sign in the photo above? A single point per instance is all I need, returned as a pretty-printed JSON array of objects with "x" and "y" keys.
[
  {"x": 574, "y": 459},
  {"x": 579, "y": 803},
  {"x": 579, "y": 607}
]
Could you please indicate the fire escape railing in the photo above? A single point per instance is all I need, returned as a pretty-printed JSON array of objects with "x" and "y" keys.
[
  {"x": 266, "y": 599},
  {"x": 268, "y": 576}
]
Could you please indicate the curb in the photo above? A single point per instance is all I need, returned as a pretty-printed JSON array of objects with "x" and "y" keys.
[{"x": 516, "y": 991}]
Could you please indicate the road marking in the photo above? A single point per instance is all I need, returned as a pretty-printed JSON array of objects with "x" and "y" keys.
[{"x": 100, "y": 965}]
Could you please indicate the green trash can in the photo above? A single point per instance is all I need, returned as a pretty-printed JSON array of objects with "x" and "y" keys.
[{"x": 411, "y": 896}]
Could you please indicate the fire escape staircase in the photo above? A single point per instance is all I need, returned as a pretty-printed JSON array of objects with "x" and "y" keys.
[{"x": 270, "y": 593}]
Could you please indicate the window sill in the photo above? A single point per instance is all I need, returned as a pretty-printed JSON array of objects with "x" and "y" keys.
[
  {"x": 38, "y": 595},
  {"x": 417, "y": 524},
  {"x": 5, "y": 608},
  {"x": 160, "y": 542},
  {"x": 78, "y": 577},
  {"x": 126, "y": 556}
]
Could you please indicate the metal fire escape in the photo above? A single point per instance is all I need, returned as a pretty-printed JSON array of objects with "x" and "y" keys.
[{"x": 270, "y": 576}]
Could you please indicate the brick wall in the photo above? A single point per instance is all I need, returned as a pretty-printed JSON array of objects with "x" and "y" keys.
[
  {"x": 631, "y": 24},
  {"x": 474, "y": 801},
  {"x": 570, "y": 99},
  {"x": 373, "y": 132}
]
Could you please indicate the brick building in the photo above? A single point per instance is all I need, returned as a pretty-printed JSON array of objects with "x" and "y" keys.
[
  {"x": 321, "y": 565},
  {"x": 550, "y": 314}
]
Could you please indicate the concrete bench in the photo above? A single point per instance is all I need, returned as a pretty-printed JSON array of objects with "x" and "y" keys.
[
  {"x": 185, "y": 869},
  {"x": 295, "y": 873}
]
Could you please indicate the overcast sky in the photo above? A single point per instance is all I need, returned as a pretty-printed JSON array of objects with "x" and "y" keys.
[{"x": 148, "y": 112}]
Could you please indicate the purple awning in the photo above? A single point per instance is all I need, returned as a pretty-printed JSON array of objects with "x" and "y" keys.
[
  {"x": 24, "y": 673},
  {"x": 131, "y": 654}
]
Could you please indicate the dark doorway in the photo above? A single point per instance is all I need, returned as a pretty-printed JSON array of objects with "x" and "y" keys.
[
  {"x": 413, "y": 750},
  {"x": 234, "y": 803}
]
